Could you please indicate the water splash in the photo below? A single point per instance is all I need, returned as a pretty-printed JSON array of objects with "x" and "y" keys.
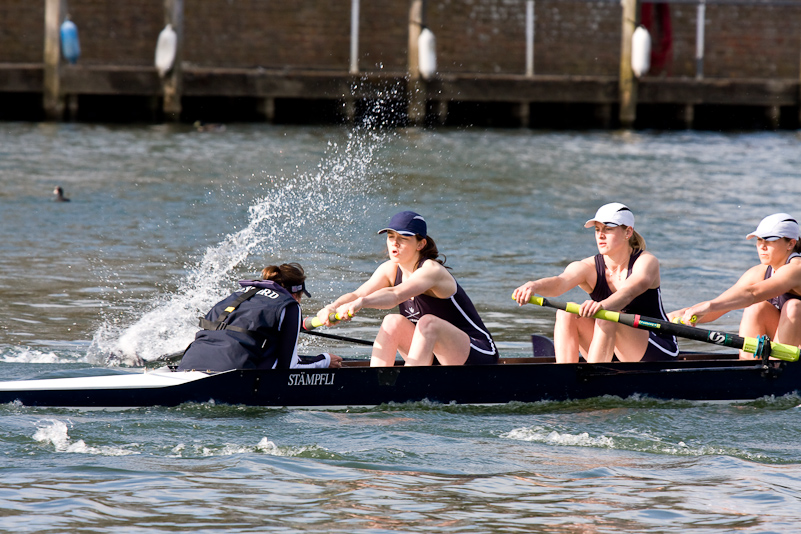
[
  {"x": 283, "y": 224},
  {"x": 55, "y": 433},
  {"x": 16, "y": 354}
]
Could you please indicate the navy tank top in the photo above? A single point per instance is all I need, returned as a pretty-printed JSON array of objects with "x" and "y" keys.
[
  {"x": 649, "y": 303},
  {"x": 780, "y": 301},
  {"x": 457, "y": 309}
]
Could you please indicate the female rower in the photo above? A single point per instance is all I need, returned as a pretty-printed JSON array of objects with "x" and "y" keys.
[
  {"x": 770, "y": 292},
  {"x": 437, "y": 318},
  {"x": 622, "y": 277},
  {"x": 256, "y": 327}
]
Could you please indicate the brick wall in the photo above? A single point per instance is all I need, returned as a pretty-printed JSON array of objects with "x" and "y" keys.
[
  {"x": 572, "y": 37},
  {"x": 21, "y": 31},
  {"x": 262, "y": 33}
]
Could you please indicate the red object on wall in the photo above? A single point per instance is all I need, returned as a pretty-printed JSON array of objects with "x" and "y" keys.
[{"x": 656, "y": 18}]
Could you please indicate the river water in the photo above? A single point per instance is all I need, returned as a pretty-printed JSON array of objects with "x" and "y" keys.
[{"x": 164, "y": 219}]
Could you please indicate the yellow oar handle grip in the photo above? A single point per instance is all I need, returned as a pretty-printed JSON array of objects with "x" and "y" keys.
[
  {"x": 575, "y": 308},
  {"x": 679, "y": 320},
  {"x": 311, "y": 323}
]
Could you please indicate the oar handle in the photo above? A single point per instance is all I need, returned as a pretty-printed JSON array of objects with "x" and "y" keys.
[
  {"x": 310, "y": 323},
  {"x": 753, "y": 345},
  {"x": 574, "y": 307}
]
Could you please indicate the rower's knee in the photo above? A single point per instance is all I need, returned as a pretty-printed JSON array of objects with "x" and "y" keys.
[
  {"x": 427, "y": 325},
  {"x": 392, "y": 323},
  {"x": 565, "y": 317},
  {"x": 792, "y": 309},
  {"x": 757, "y": 310}
]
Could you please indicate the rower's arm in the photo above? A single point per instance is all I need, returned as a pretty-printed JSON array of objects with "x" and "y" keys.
[
  {"x": 578, "y": 273},
  {"x": 429, "y": 276},
  {"x": 740, "y": 295},
  {"x": 378, "y": 280}
]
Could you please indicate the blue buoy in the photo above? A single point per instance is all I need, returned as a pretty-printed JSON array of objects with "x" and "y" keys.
[{"x": 70, "y": 47}]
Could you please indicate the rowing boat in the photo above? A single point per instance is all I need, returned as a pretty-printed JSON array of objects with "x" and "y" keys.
[{"x": 694, "y": 376}]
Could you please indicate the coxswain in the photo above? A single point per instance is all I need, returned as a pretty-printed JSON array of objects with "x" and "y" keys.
[{"x": 256, "y": 327}]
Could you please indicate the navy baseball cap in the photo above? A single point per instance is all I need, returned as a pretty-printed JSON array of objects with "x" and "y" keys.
[{"x": 407, "y": 223}]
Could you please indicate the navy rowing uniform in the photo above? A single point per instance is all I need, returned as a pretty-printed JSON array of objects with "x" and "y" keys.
[
  {"x": 649, "y": 304},
  {"x": 458, "y": 310},
  {"x": 256, "y": 327},
  {"x": 782, "y": 299}
]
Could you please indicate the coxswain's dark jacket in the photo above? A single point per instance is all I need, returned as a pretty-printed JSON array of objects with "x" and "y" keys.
[{"x": 256, "y": 327}]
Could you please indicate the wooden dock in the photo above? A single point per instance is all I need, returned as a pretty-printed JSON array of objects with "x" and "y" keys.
[{"x": 503, "y": 100}]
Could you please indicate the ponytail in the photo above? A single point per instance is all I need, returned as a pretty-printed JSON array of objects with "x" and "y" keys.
[
  {"x": 285, "y": 275},
  {"x": 430, "y": 252}
]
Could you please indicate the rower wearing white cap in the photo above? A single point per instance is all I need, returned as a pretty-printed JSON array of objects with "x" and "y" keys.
[
  {"x": 437, "y": 320},
  {"x": 770, "y": 292},
  {"x": 621, "y": 277}
]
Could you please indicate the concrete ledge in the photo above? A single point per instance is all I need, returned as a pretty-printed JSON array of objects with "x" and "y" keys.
[{"x": 143, "y": 80}]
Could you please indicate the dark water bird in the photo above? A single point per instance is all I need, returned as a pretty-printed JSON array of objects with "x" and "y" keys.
[{"x": 59, "y": 192}]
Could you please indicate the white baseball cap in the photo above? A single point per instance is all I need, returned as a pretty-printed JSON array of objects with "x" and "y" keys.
[
  {"x": 613, "y": 214},
  {"x": 775, "y": 227}
]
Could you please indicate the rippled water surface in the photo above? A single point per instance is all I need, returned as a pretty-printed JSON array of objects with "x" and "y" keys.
[{"x": 164, "y": 219}]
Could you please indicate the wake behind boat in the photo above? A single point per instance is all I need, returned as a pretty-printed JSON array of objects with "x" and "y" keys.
[{"x": 694, "y": 376}]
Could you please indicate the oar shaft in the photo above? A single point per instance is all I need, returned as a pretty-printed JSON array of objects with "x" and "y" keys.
[
  {"x": 340, "y": 338},
  {"x": 747, "y": 344}
]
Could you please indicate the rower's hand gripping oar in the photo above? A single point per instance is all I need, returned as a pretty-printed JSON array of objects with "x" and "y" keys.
[
  {"x": 759, "y": 347},
  {"x": 310, "y": 323}
]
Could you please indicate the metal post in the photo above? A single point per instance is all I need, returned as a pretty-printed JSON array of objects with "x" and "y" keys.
[
  {"x": 172, "y": 85},
  {"x": 354, "y": 37},
  {"x": 628, "y": 83},
  {"x": 687, "y": 116},
  {"x": 530, "y": 38},
  {"x": 699, "y": 40},
  {"x": 53, "y": 99}
]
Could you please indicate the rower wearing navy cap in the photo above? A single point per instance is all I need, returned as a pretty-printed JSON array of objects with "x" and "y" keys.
[
  {"x": 256, "y": 327},
  {"x": 770, "y": 292},
  {"x": 437, "y": 319},
  {"x": 621, "y": 277}
]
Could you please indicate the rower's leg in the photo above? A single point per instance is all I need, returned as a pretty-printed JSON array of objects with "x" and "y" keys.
[
  {"x": 395, "y": 335},
  {"x": 603, "y": 342},
  {"x": 437, "y": 336},
  {"x": 789, "y": 329},
  {"x": 571, "y": 335},
  {"x": 760, "y": 319},
  {"x": 630, "y": 343}
]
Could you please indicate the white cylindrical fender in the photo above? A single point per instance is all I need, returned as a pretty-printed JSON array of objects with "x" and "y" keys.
[
  {"x": 166, "y": 48},
  {"x": 427, "y": 52},
  {"x": 640, "y": 51},
  {"x": 70, "y": 46}
]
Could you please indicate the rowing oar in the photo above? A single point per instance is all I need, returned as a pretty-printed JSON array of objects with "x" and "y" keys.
[
  {"x": 310, "y": 323},
  {"x": 760, "y": 347}
]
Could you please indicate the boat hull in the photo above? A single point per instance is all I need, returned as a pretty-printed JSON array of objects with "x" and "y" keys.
[{"x": 697, "y": 380}]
